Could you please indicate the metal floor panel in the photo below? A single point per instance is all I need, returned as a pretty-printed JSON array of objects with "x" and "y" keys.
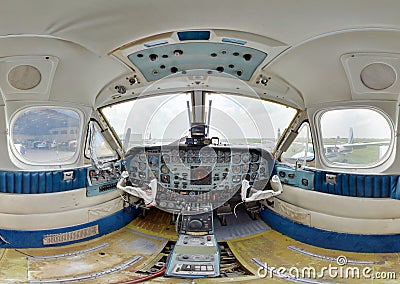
[
  {"x": 118, "y": 256},
  {"x": 93, "y": 259}
]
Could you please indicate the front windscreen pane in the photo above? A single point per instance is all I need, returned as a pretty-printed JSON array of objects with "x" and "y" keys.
[
  {"x": 45, "y": 135},
  {"x": 356, "y": 137},
  {"x": 235, "y": 120},
  {"x": 152, "y": 120}
]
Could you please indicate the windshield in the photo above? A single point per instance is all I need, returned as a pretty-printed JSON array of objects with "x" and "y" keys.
[{"x": 235, "y": 120}]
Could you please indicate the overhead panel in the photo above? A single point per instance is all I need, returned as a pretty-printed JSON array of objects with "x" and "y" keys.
[{"x": 163, "y": 60}]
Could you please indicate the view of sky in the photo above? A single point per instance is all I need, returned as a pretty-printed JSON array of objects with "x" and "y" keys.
[
  {"x": 232, "y": 117},
  {"x": 366, "y": 123}
]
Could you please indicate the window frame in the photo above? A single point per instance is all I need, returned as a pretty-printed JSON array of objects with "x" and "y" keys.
[
  {"x": 325, "y": 161},
  {"x": 303, "y": 124},
  {"x": 15, "y": 153},
  {"x": 87, "y": 140}
]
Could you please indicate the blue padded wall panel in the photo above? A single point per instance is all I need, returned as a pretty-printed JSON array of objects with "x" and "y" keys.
[
  {"x": 3, "y": 182},
  {"x": 355, "y": 185},
  {"x": 80, "y": 180},
  {"x": 338, "y": 188},
  {"x": 345, "y": 185},
  {"x": 56, "y": 182},
  {"x": 352, "y": 185},
  {"x": 394, "y": 189},
  {"x": 26, "y": 183},
  {"x": 378, "y": 183},
  {"x": 35, "y": 182},
  {"x": 386, "y": 186},
  {"x": 40, "y": 182},
  {"x": 331, "y": 188},
  {"x": 18, "y": 184},
  {"x": 10, "y": 182},
  {"x": 369, "y": 183},
  {"x": 48, "y": 182},
  {"x": 360, "y": 186}
]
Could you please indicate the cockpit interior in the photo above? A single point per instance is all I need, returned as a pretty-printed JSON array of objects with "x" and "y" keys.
[{"x": 199, "y": 141}]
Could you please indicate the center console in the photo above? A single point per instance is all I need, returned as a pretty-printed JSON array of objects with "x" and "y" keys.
[{"x": 196, "y": 253}]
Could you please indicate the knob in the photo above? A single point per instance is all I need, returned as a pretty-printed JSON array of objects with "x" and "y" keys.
[{"x": 195, "y": 224}]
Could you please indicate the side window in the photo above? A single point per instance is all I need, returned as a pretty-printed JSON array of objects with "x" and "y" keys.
[
  {"x": 356, "y": 137},
  {"x": 301, "y": 148},
  {"x": 46, "y": 135},
  {"x": 97, "y": 143}
]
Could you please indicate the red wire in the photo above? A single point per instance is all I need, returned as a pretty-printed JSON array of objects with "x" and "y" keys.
[{"x": 148, "y": 277}]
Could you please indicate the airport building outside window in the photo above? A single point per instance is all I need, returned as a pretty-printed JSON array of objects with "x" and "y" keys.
[{"x": 46, "y": 135}]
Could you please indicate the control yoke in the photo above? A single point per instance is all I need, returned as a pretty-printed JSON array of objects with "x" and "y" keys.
[
  {"x": 255, "y": 195},
  {"x": 149, "y": 196}
]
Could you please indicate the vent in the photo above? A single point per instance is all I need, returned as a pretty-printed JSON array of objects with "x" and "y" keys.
[
  {"x": 24, "y": 77},
  {"x": 378, "y": 76}
]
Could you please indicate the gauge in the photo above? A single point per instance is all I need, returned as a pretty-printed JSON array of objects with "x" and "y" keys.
[
  {"x": 174, "y": 152},
  {"x": 220, "y": 159},
  {"x": 236, "y": 158},
  {"x": 236, "y": 179},
  {"x": 174, "y": 159},
  {"x": 142, "y": 157},
  {"x": 142, "y": 175},
  {"x": 205, "y": 159},
  {"x": 246, "y": 157},
  {"x": 254, "y": 157},
  {"x": 166, "y": 158},
  {"x": 190, "y": 153},
  {"x": 236, "y": 169},
  {"x": 164, "y": 169},
  {"x": 142, "y": 166},
  {"x": 254, "y": 167},
  {"x": 197, "y": 174},
  {"x": 165, "y": 179},
  {"x": 220, "y": 153},
  {"x": 227, "y": 159},
  {"x": 206, "y": 151},
  {"x": 245, "y": 168},
  {"x": 190, "y": 159},
  {"x": 182, "y": 153}
]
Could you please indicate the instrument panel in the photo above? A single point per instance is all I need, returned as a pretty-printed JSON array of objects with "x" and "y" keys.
[
  {"x": 192, "y": 174},
  {"x": 100, "y": 182}
]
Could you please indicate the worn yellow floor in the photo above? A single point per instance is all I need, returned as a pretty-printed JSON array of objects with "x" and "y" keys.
[{"x": 144, "y": 240}]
